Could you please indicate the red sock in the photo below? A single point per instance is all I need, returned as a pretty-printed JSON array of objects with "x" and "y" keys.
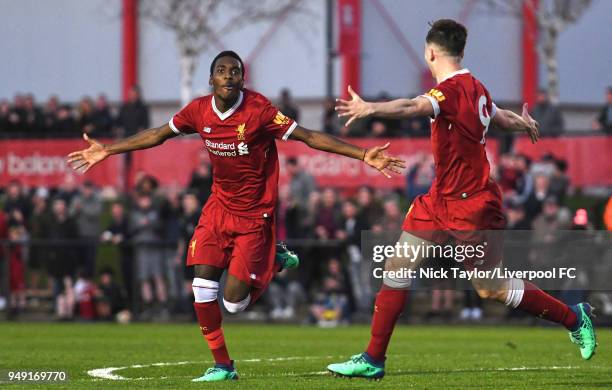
[
  {"x": 209, "y": 317},
  {"x": 387, "y": 309},
  {"x": 540, "y": 304}
]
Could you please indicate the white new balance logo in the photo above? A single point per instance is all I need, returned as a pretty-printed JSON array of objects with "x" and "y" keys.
[{"x": 243, "y": 149}]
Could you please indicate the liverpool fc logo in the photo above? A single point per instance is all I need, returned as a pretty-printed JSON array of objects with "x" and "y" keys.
[
  {"x": 240, "y": 132},
  {"x": 192, "y": 246}
]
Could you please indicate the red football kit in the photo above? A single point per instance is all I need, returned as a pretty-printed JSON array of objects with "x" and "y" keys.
[
  {"x": 236, "y": 230},
  {"x": 462, "y": 196}
]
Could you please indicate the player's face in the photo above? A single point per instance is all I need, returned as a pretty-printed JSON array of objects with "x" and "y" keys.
[{"x": 226, "y": 79}]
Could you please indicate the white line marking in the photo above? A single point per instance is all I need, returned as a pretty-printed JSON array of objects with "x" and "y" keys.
[{"x": 108, "y": 373}]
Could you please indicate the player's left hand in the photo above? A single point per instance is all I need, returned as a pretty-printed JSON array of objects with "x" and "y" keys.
[
  {"x": 534, "y": 127},
  {"x": 377, "y": 158},
  {"x": 355, "y": 108}
]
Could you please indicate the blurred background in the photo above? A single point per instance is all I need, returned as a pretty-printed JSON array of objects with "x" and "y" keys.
[{"x": 109, "y": 245}]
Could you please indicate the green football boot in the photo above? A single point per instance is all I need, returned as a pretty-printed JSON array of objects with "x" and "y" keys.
[
  {"x": 220, "y": 372},
  {"x": 584, "y": 336},
  {"x": 360, "y": 366},
  {"x": 285, "y": 258}
]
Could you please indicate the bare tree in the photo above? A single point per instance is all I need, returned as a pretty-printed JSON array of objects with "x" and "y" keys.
[
  {"x": 553, "y": 16},
  {"x": 198, "y": 24}
]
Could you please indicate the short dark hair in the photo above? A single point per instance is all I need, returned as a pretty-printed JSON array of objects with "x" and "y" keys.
[
  {"x": 449, "y": 35},
  {"x": 227, "y": 53}
]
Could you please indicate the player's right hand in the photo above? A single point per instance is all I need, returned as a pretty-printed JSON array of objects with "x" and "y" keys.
[
  {"x": 355, "y": 108},
  {"x": 534, "y": 127},
  {"x": 84, "y": 159}
]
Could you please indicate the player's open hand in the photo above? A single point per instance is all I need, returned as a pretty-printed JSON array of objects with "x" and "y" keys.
[
  {"x": 84, "y": 159},
  {"x": 377, "y": 158},
  {"x": 354, "y": 109},
  {"x": 534, "y": 127}
]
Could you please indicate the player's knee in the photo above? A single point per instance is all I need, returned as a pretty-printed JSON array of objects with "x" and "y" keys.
[
  {"x": 397, "y": 283},
  {"x": 204, "y": 290},
  {"x": 236, "y": 307}
]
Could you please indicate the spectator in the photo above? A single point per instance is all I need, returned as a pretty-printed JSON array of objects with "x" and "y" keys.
[
  {"x": 65, "y": 125},
  {"x": 16, "y": 204},
  {"x": 331, "y": 303},
  {"x": 369, "y": 208},
  {"x": 60, "y": 255},
  {"x": 420, "y": 176},
  {"x": 391, "y": 220},
  {"x": 34, "y": 120},
  {"x": 541, "y": 190},
  {"x": 102, "y": 118},
  {"x": 201, "y": 181},
  {"x": 524, "y": 182},
  {"x": 5, "y": 111},
  {"x": 84, "y": 295},
  {"x": 287, "y": 106},
  {"x": 133, "y": 115},
  {"x": 50, "y": 115},
  {"x": 17, "y": 115},
  {"x": 331, "y": 122},
  {"x": 383, "y": 127},
  {"x": 548, "y": 115},
  {"x": 604, "y": 120},
  {"x": 302, "y": 183},
  {"x": 86, "y": 208},
  {"x": 326, "y": 221},
  {"x": 378, "y": 129},
  {"x": 284, "y": 295},
  {"x": 351, "y": 227},
  {"x": 559, "y": 181},
  {"x": 85, "y": 118},
  {"x": 144, "y": 230},
  {"x": 515, "y": 216},
  {"x": 68, "y": 190},
  {"x": 117, "y": 233},
  {"x": 38, "y": 222},
  {"x": 110, "y": 297},
  {"x": 187, "y": 223},
  {"x": 170, "y": 214}
]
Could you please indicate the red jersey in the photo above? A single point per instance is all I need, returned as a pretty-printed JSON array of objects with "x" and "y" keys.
[
  {"x": 242, "y": 149},
  {"x": 462, "y": 112}
]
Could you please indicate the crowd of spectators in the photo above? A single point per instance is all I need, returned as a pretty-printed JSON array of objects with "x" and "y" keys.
[
  {"x": 57, "y": 235},
  {"x": 24, "y": 118}
]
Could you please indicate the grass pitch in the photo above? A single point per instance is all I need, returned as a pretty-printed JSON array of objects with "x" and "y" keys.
[{"x": 288, "y": 357}]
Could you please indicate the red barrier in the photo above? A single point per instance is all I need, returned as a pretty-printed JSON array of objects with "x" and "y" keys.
[
  {"x": 173, "y": 162},
  {"x": 589, "y": 158},
  {"x": 43, "y": 163}
]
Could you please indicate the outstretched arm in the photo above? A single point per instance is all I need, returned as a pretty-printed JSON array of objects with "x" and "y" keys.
[
  {"x": 400, "y": 108},
  {"x": 509, "y": 121},
  {"x": 87, "y": 158},
  {"x": 375, "y": 157}
]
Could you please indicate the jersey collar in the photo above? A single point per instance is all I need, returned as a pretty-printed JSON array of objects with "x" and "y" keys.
[
  {"x": 224, "y": 115},
  {"x": 460, "y": 71}
]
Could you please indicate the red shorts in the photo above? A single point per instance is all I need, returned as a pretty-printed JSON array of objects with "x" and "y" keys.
[
  {"x": 474, "y": 220},
  {"x": 246, "y": 247}
]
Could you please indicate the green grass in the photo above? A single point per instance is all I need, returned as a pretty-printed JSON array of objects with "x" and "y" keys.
[{"x": 295, "y": 357}]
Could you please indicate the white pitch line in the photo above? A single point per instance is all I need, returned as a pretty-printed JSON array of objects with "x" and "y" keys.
[{"x": 108, "y": 373}]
